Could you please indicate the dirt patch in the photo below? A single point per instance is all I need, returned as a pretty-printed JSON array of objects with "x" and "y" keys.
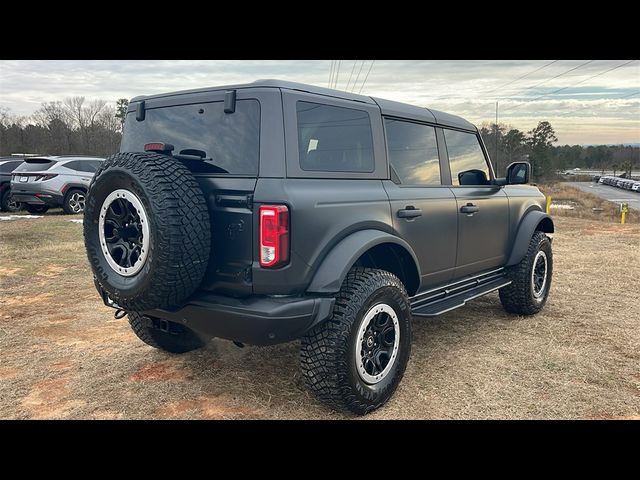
[
  {"x": 52, "y": 271},
  {"x": 210, "y": 408},
  {"x": 49, "y": 399},
  {"x": 24, "y": 300},
  {"x": 159, "y": 372},
  {"x": 106, "y": 415},
  {"x": 9, "y": 271},
  {"x": 7, "y": 373},
  {"x": 61, "y": 365}
]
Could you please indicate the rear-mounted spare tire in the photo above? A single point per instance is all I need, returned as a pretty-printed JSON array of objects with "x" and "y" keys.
[{"x": 146, "y": 230}]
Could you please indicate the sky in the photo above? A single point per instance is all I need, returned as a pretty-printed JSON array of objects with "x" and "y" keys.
[{"x": 586, "y": 101}]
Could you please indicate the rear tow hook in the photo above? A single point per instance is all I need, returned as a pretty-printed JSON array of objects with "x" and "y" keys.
[{"x": 120, "y": 313}]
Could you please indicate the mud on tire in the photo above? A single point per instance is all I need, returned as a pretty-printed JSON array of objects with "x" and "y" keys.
[{"x": 179, "y": 230}]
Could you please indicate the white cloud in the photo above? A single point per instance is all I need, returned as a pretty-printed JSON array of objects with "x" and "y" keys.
[{"x": 468, "y": 88}]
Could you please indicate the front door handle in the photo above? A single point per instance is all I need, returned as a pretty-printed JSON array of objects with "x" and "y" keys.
[
  {"x": 469, "y": 209},
  {"x": 409, "y": 212}
]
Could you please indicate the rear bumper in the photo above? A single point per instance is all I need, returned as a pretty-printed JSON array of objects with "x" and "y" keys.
[
  {"x": 258, "y": 320},
  {"x": 32, "y": 199}
]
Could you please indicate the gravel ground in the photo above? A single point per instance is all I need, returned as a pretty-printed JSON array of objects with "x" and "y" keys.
[{"x": 64, "y": 356}]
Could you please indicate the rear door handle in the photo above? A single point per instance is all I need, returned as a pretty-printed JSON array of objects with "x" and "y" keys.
[
  {"x": 470, "y": 209},
  {"x": 409, "y": 212}
]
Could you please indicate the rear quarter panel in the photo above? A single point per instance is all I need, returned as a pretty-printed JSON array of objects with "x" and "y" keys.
[{"x": 322, "y": 213}]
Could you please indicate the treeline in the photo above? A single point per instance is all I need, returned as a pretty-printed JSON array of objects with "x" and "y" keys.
[
  {"x": 68, "y": 127},
  {"x": 536, "y": 146},
  {"x": 76, "y": 126}
]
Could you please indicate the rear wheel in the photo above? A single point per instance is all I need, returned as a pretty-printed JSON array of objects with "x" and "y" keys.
[
  {"x": 355, "y": 360},
  {"x": 164, "y": 335},
  {"x": 74, "y": 201},
  {"x": 8, "y": 203},
  {"x": 36, "y": 208}
]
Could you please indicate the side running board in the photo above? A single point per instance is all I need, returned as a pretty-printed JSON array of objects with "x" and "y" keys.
[{"x": 439, "y": 301}]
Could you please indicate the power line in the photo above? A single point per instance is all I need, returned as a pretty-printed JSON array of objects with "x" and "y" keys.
[
  {"x": 569, "y": 86},
  {"x": 352, "y": 69},
  {"x": 553, "y": 78},
  {"x": 365, "y": 78},
  {"x": 330, "y": 74},
  {"x": 520, "y": 78},
  {"x": 355, "y": 82},
  {"x": 335, "y": 82}
]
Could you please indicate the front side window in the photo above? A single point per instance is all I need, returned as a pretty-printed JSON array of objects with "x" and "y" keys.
[
  {"x": 468, "y": 165},
  {"x": 334, "y": 139},
  {"x": 413, "y": 152}
]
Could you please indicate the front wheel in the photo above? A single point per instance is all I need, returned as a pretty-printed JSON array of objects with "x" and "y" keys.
[
  {"x": 530, "y": 279},
  {"x": 355, "y": 360}
]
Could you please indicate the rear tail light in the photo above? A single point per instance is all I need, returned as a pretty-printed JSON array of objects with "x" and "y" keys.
[
  {"x": 274, "y": 235},
  {"x": 37, "y": 176},
  {"x": 48, "y": 176}
]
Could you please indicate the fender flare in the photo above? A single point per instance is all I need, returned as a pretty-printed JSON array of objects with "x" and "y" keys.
[
  {"x": 337, "y": 263},
  {"x": 527, "y": 227},
  {"x": 68, "y": 186}
]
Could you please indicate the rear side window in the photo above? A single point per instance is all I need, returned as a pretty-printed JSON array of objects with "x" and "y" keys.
[
  {"x": 468, "y": 165},
  {"x": 74, "y": 165},
  {"x": 230, "y": 141},
  {"x": 334, "y": 139},
  {"x": 7, "y": 167},
  {"x": 413, "y": 152},
  {"x": 89, "y": 165}
]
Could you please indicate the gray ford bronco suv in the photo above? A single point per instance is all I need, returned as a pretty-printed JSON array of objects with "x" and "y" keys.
[{"x": 274, "y": 211}]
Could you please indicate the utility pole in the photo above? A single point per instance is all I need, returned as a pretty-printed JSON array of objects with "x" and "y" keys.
[{"x": 496, "y": 137}]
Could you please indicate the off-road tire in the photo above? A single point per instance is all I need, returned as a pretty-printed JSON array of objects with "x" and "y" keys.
[
  {"x": 4, "y": 202},
  {"x": 518, "y": 297},
  {"x": 327, "y": 354},
  {"x": 179, "y": 227},
  {"x": 67, "y": 198},
  {"x": 168, "y": 336},
  {"x": 36, "y": 208}
]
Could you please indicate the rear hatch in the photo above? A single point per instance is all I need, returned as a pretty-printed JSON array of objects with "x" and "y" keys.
[
  {"x": 26, "y": 177},
  {"x": 222, "y": 151}
]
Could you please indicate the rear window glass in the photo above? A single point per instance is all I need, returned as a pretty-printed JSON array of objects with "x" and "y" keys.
[
  {"x": 334, "y": 139},
  {"x": 230, "y": 141},
  {"x": 35, "y": 165}
]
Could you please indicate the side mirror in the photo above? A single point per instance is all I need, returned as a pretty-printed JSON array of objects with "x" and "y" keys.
[{"x": 518, "y": 173}]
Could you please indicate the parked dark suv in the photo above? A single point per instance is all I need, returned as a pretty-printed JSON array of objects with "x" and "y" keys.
[
  {"x": 273, "y": 211},
  {"x": 8, "y": 165}
]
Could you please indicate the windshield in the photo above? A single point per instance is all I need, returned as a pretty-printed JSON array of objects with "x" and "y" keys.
[{"x": 231, "y": 141}]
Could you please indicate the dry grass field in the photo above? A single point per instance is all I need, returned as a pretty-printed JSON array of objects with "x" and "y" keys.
[
  {"x": 62, "y": 355},
  {"x": 583, "y": 204}
]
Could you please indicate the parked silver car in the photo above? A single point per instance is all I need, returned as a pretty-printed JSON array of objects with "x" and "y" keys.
[{"x": 53, "y": 181}]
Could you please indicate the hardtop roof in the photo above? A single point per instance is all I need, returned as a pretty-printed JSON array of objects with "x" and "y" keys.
[{"x": 388, "y": 107}]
